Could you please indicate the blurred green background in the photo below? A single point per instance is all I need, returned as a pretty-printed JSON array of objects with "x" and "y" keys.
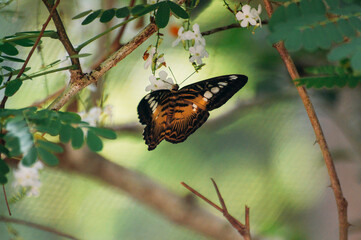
[{"x": 263, "y": 156}]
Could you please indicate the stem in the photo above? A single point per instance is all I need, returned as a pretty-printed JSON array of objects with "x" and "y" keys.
[
  {"x": 81, "y": 46},
  {"x": 335, "y": 183},
  {"x": 35, "y": 225}
]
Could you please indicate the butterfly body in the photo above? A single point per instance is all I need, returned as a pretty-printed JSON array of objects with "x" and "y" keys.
[{"x": 175, "y": 114}]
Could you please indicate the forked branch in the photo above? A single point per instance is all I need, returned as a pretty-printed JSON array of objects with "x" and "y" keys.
[{"x": 243, "y": 229}]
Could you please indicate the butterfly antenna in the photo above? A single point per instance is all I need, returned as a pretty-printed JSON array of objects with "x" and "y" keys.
[
  {"x": 187, "y": 78},
  {"x": 173, "y": 75}
]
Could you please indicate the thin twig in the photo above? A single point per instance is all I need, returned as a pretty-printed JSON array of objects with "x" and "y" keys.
[
  {"x": 6, "y": 200},
  {"x": 63, "y": 36},
  {"x": 37, "y": 226},
  {"x": 3, "y": 102},
  {"x": 242, "y": 229},
  {"x": 230, "y": 26},
  {"x": 202, "y": 197},
  {"x": 335, "y": 183}
]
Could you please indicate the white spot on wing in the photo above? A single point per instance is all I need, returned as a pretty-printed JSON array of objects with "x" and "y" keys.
[
  {"x": 233, "y": 77},
  {"x": 215, "y": 90},
  {"x": 147, "y": 97},
  {"x": 205, "y": 99},
  {"x": 208, "y": 94},
  {"x": 222, "y": 84},
  {"x": 194, "y": 107}
]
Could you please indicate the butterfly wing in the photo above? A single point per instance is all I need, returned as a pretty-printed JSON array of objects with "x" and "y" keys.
[
  {"x": 214, "y": 92},
  {"x": 152, "y": 114},
  {"x": 187, "y": 117}
]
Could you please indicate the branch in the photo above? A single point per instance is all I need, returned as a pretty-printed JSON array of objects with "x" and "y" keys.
[
  {"x": 63, "y": 37},
  {"x": 138, "y": 186},
  {"x": 116, "y": 43},
  {"x": 79, "y": 83},
  {"x": 335, "y": 183},
  {"x": 241, "y": 228},
  {"x": 37, "y": 226},
  {"x": 52, "y": 10},
  {"x": 230, "y": 26}
]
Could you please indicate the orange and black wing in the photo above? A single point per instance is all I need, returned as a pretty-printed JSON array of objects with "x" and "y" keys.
[
  {"x": 152, "y": 114},
  {"x": 187, "y": 117},
  {"x": 214, "y": 92}
]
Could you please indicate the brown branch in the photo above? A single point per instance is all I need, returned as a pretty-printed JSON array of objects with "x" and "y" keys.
[
  {"x": 6, "y": 200},
  {"x": 63, "y": 36},
  {"x": 79, "y": 83},
  {"x": 320, "y": 138},
  {"x": 241, "y": 228},
  {"x": 52, "y": 10},
  {"x": 37, "y": 226},
  {"x": 177, "y": 209},
  {"x": 116, "y": 43}
]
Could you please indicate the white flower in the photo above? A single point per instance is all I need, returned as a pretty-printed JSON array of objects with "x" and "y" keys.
[
  {"x": 92, "y": 116},
  {"x": 197, "y": 53},
  {"x": 255, "y": 13},
  {"x": 161, "y": 83},
  {"x": 28, "y": 177},
  {"x": 151, "y": 2},
  {"x": 249, "y": 16},
  {"x": 149, "y": 60},
  {"x": 199, "y": 39},
  {"x": 183, "y": 36}
]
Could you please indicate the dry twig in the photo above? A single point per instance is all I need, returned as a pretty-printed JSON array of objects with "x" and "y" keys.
[
  {"x": 243, "y": 229},
  {"x": 320, "y": 138},
  {"x": 37, "y": 226}
]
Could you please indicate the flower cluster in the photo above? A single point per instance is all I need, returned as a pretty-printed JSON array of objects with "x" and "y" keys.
[
  {"x": 28, "y": 177},
  {"x": 97, "y": 115},
  {"x": 162, "y": 82},
  {"x": 195, "y": 41},
  {"x": 249, "y": 16}
]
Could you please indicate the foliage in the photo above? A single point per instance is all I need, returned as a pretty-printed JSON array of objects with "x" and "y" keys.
[
  {"x": 162, "y": 13},
  {"x": 313, "y": 24},
  {"x": 24, "y": 130}
]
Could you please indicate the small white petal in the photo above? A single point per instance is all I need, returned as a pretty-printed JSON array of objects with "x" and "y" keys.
[{"x": 246, "y": 9}]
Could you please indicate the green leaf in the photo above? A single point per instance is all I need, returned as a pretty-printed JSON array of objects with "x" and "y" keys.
[
  {"x": 329, "y": 81},
  {"x": 4, "y": 168},
  {"x": 77, "y": 138},
  {"x": 13, "y": 59},
  {"x": 137, "y": 9},
  {"x": 346, "y": 28},
  {"x": 8, "y": 49},
  {"x": 103, "y": 132},
  {"x": 94, "y": 142},
  {"x": 309, "y": 42},
  {"x": 148, "y": 9},
  {"x": 356, "y": 60},
  {"x": 47, "y": 157},
  {"x": 65, "y": 133},
  {"x": 12, "y": 87},
  {"x": 293, "y": 42},
  {"x": 50, "y": 146},
  {"x": 18, "y": 137},
  {"x": 1, "y": 79},
  {"x": 107, "y": 15},
  {"x": 26, "y": 42},
  {"x": 122, "y": 12},
  {"x": 162, "y": 15},
  {"x": 91, "y": 17},
  {"x": 4, "y": 150},
  {"x": 30, "y": 158},
  {"x": 178, "y": 10},
  {"x": 82, "y": 14},
  {"x": 80, "y": 55},
  {"x": 69, "y": 117}
]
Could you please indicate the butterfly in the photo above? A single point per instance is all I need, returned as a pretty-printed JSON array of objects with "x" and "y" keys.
[{"x": 175, "y": 114}]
